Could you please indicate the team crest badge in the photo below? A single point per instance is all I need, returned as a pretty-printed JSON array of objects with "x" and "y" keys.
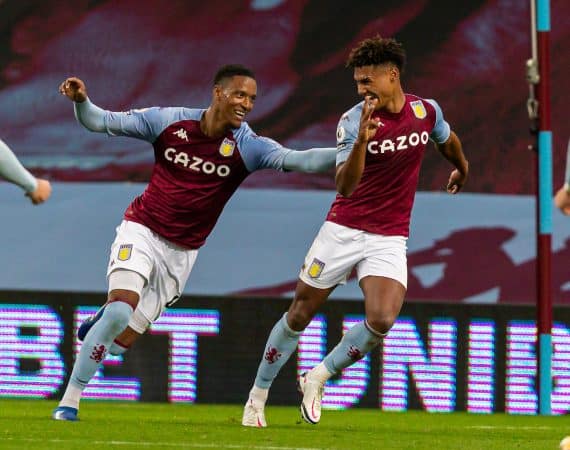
[
  {"x": 340, "y": 134},
  {"x": 419, "y": 109},
  {"x": 316, "y": 268},
  {"x": 227, "y": 147},
  {"x": 125, "y": 251}
]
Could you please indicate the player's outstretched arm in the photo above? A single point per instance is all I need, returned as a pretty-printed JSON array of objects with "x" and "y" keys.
[
  {"x": 312, "y": 160},
  {"x": 11, "y": 169},
  {"x": 349, "y": 173},
  {"x": 453, "y": 152},
  {"x": 89, "y": 115},
  {"x": 145, "y": 123}
]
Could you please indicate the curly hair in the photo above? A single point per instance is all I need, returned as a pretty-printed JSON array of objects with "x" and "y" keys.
[
  {"x": 375, "y": 51},
  {"x": 232, "y": 70}
]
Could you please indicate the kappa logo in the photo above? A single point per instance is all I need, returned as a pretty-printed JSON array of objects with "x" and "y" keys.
[
  {"x": 316, "y": 268},
  {"x": 181, "y": 133},
  {"x": 125, "y": 251},
  {"x": 227, "y": 147},
  {"x": 419, "y": 109}
]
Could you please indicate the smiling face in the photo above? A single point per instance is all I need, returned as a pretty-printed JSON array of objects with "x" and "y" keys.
[
  {"x": 234, "y": 98},
  {"x": 381, "y": 82}
]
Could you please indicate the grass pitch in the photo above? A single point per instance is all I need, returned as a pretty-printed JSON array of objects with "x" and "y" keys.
[{"x": 26, "y": 424}]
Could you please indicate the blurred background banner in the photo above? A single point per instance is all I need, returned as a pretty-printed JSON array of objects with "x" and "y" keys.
[
  {"x": 437, "y": 357},
  {"x": 137, "y": 53}
]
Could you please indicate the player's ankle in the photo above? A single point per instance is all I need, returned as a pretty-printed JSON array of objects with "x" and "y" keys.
[
  {"x": 259, "y": 395},
  {"x": 320, "y": 373}
]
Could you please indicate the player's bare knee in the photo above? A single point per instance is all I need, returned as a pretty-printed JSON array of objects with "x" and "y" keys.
[
  {"x": 124, "y": 295},
  {"x": 381, "y": 324},
  {"x": 300, "y": 314},
  {"x": 125, "y": 286},
  {"x": 128, "y": 337},
  {"x": 298, "y": 319}
]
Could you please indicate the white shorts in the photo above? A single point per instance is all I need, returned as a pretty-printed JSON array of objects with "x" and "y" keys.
[
  {"x": 164, "y": 266},
  {"x": 338, "y": 249}
]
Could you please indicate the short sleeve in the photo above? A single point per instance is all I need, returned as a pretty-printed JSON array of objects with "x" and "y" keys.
[
  {"x": 346, "y": 133},
  {"x": 441, "y": 129}
]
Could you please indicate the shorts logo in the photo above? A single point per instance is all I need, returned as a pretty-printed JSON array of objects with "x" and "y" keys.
[
  {"x": 419, "y": 109},
  {"x": 125, "y": 252},
  {"x": 316, "y": 268},
  {"x": 227, "y": 147}
]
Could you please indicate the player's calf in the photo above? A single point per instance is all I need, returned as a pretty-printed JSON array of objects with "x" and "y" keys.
[{"x": 88, "y": 323}]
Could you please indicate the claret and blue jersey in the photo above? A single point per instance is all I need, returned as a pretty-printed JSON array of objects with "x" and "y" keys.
[
  {"x": 383, "y": 200},
  {"x": 194, "y": 175}
]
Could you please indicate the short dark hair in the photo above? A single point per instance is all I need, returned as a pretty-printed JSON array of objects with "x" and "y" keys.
[
  {"x": 232, "y": 70},
  {"x": 375, "y": 51}
]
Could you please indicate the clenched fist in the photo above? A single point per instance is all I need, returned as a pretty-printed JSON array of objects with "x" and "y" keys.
[
  {"x": 42, "y": 192},
  {"x": 74, "y": 89}
]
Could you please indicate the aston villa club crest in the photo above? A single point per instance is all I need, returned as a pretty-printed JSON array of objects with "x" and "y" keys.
[
  {"x": 227, "y": 147},
  {"x": 125, "y": 252},
  {"x": 316, "y": 268},
  {"x": 419, "y": 109}
]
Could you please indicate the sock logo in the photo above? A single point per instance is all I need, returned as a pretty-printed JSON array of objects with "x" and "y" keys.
[
  {"x": 98, "y": 353},
  {"x": 354, "y": 354},
  {"x": 272, "y": 355}
]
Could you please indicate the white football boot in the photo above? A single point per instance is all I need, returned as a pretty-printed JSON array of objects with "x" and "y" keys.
[
  {"x": 254, "y": 409},
  {"x": 253, "y": 414},
  {"x": 312, "y": 391}
]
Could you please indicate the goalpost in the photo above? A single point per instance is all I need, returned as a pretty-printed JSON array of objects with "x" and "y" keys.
[{"x": 538, "y": 76}]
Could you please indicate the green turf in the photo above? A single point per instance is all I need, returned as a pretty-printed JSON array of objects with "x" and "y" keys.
[{"x": 27, "y": 425}]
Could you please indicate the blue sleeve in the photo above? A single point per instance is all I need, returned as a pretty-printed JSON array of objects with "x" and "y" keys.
[
  {"x": 441, "y": 129},
  {"x": 145, "y": 124},
  {"x": 259, "y": 152},
  {"x": 12, "y": 170},
  {"x": 346, "y": 133}
]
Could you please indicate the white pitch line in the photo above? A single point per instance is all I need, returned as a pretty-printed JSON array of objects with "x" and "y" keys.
[
  {"x": 162, "y": 444},
  {"x": 507, "y": 427}
]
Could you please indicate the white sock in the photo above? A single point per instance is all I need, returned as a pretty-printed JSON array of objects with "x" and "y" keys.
[
  {"x": 258, "y": 395},
  {"x": 72, "y": 396},
  {"x": 320, "y": 373}
]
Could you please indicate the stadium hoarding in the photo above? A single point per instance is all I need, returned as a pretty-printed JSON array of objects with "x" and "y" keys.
[
  {"x": 492, "y": 236},
  {"x": 438, "y": 357}
]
